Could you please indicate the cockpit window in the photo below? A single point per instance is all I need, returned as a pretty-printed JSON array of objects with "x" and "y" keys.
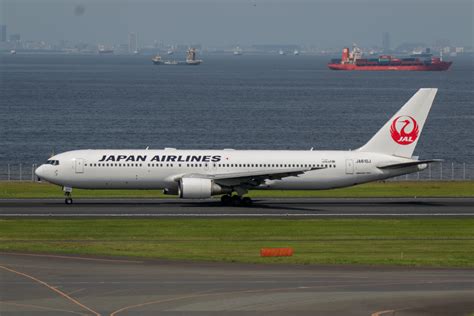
[{"x": 52, "y": 162}]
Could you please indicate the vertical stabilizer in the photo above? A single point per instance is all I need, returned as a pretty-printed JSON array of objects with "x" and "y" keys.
[{"x": 399, "y": 136}]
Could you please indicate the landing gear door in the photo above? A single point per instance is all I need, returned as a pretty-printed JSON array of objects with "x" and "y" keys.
[
  {"x": 79, "y": 165},
  {"x": 349, "y": 166}
]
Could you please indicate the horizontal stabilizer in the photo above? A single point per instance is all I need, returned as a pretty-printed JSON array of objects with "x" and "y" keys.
[{"x": 408, "y": 164}]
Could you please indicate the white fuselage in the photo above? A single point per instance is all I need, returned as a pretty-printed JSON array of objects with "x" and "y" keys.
[{"x": 162, "y": 169}]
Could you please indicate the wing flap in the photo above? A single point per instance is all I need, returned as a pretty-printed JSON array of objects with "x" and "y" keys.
[{"x": 252, "y": 178}]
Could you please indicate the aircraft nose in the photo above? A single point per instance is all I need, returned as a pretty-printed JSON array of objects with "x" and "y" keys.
[{"x": 40, "y": 172}]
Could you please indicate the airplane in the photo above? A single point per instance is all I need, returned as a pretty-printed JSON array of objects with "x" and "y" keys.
[{"x": 200, "y": 174}]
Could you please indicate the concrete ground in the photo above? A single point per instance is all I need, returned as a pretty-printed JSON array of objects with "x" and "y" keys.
[
  {"x": 269, "y": 207},
  {"x": 63, "y": 285}
]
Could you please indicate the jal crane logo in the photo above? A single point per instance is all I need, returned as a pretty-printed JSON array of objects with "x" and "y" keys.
[{"x": 404, "y": 130}]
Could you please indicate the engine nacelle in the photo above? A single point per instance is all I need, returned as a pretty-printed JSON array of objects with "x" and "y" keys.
[{"x": 199, "y": 188}]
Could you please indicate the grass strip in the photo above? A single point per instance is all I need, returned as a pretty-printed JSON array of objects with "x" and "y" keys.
[
  {"x": 19, "y": 190},
  {"x": 412, "y": 242}
]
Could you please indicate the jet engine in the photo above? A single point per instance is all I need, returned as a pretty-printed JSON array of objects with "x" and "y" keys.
[{"x": 199, "y": 188}]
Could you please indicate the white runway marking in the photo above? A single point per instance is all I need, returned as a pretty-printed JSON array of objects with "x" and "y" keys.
[{"x": 237, "y": 215}]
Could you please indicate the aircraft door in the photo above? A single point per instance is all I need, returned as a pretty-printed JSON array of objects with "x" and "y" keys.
[
  {"x": 349, "y": 166},
  {"x": 79, "y": 165}
]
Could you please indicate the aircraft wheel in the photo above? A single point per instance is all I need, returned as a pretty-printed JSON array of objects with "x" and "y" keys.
[
  {"x": 226, "y": 199},
  {"x": 68, "y": 200},
  {"x": 246, "y": 201},
  {"x": 236, "y": 200}
]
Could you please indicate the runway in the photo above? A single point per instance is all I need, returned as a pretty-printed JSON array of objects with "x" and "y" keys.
[
  {"x": 268, "y": 207},
  {"x": 60, "y": 285}
]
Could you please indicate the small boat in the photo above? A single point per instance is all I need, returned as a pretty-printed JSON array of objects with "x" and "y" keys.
[
  {"x": 191, "y": 57},
  {"x": 102, "y": 50},
  {"x": 296, "y": 52},
  {"x": 281, "y": 52},
  {"x": 157, "y": 60},
  {"x": 237, "y": 51},
  {"x": 13, "y": 52},
  {"x": 171, "y": 62}
]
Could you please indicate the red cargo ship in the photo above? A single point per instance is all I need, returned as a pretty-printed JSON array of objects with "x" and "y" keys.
[{"x": 417, "y": 62}]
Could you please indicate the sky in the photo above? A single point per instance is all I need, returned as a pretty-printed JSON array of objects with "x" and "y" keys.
[{"x": 328, "y": 23}]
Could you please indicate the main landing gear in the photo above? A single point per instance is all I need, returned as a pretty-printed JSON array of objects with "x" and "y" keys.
[
  {"x": 67, "y": 193},
  {"x": 236, "y": 200}
]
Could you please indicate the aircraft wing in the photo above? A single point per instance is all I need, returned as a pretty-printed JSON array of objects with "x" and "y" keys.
[
  {"x": 407, "y": 164},
  {"x": 252, "y": 178}
]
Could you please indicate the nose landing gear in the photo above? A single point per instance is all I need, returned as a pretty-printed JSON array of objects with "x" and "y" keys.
[{"x": 67, "y": 193}]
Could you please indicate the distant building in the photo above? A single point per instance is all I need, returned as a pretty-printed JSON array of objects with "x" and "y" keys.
[
  {"x": 3, "y": 33},
  {"x": 182, "y": 47},
  {"x": 269, "y": 48},
  {"x": 15, "y": 37},
  {"x": 386, "y": 42},
  {"x": 132, "y": 43},
  {"x": 440, "y": 43},
  {"x": 123, "y": 48}
]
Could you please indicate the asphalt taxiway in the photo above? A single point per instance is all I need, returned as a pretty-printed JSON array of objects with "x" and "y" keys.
[
  {"x": 265, "y": 207},
  {"x": 61, "y": 285}
]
